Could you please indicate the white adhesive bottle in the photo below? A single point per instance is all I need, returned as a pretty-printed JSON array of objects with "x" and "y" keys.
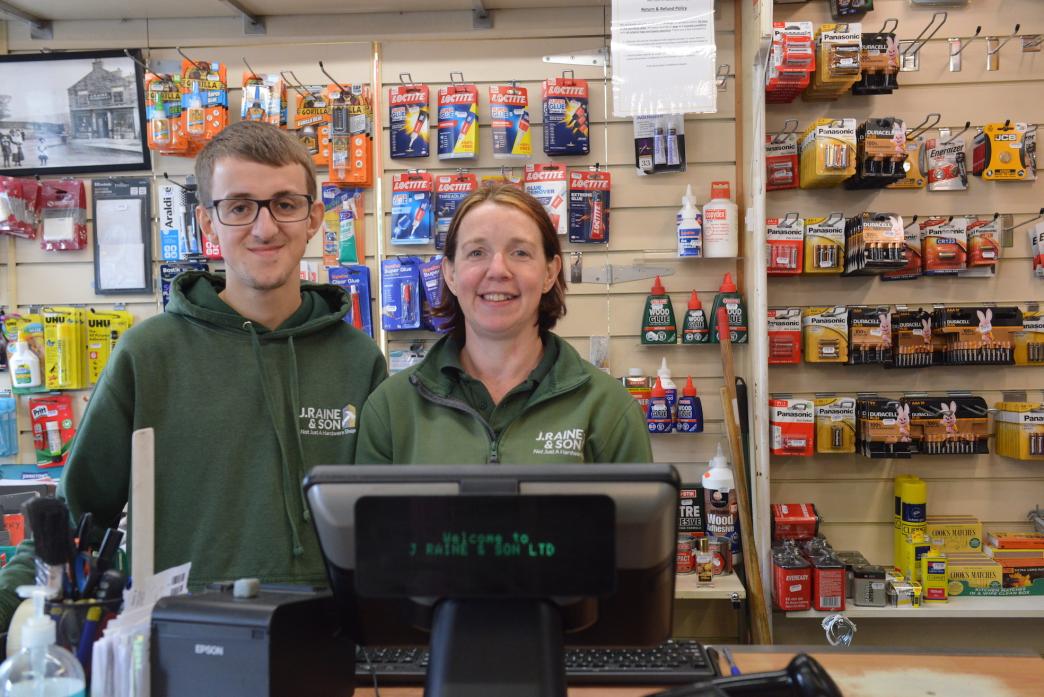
[
  {"x": 719, "y": 491},
  {"x": 689, "y": 226},
  {"x": 25, "y": 365},
  {"x": 720, "y": 223},
  {"x": 671, "y": 390}
]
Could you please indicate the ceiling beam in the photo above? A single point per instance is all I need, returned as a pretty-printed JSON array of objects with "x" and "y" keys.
[
  {"x": 39, "y": 28},
  {"x": 252, "y": 23}
]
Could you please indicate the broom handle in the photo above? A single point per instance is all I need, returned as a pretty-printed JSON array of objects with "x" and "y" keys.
[{"x": 760, "y": 629}]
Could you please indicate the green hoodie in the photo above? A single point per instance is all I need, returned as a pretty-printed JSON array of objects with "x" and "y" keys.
[
  {"x": 576, "y": 413},
  {"x": 240, "y": 414}
]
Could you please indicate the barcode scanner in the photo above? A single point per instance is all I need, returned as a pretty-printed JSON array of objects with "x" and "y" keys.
[{"x": 803, "y": 677}]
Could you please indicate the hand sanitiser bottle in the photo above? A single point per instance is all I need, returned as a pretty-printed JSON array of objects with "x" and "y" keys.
[{"x": 41, "y": 668}]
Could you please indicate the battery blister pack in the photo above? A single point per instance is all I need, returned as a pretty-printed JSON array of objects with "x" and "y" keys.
[
  {"x": 879, "y": 64},
  {"x": 880, "y": 154},
  {"x": 944, "y": 245},
  {"x": 956, "y": 424},
  {"x": 791, "y": 63},
  {"x": 1000, "y": 152},
  {"x": 824, "y": 331},
  {"x": 781, "y": 161},
  {"x": 838, "y": 61},
  {"x": 914, "y": 175},
  {"x": 792, "y": 422},
  {"x": 977, "y": 335},
  {"x": 835, "y": 424},
  {"x": 946, "y": 164},
  {"x": 827, "y": 153},
  {"x": 984, "y": 247},
  {"x": 874, "y": 243},
  {"x": 912, "y": 340},
  {"x": 784, "y": 335},
  {"x": 869, "y": 335},
  {"x": 1029, "y": 343},
  {"x": 882, "y": 427},
  {"x": 785, "y": 240},
  {"x": 825, "y": 244}
]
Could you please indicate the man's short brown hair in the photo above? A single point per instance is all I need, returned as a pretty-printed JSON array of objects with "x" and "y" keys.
[
  {"x": 552, "y": 303},
  {"x": 254, "y": 142}
]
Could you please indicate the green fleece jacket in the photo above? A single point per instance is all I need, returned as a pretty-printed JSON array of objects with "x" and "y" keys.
[
  {"x": 240, "y": 415},
  {"x": 576, "y": 414}
]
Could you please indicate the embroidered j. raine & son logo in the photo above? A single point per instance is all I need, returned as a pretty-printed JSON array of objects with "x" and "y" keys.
[
  {"x": 324, "y": 421},
  {"x": 569, "y": 442}
]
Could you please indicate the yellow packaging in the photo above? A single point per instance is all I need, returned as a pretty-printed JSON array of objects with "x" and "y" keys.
[
  {"x": 65, "y": 339},
  {"x": 914, "y": 546},
  {"x": 825, "y": 244},
  {"x": 825, "y": 334},
  {"x": 955, "y": 533},
  {"x": 977, "y": 571},
  {"x": 915, "y": 177},
  {"x": 103, "y": 331},
  {"x": 835, "y": 424},
  {"x": 1019, "y": 428},
  {"x": 827, "y": 153},
  {"x": 933, "y": 577},
  {"x": 1029, "y": 342},
  {"x": 1005, "y": 155}
]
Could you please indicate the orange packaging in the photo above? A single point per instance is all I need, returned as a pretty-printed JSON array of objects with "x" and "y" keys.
[
  {"x": 165, "y": 131},
  {"x": 204, "y": 101},
  {"x": 1015, "y": 540},
  {"x": 312, "y": 122},
  {"x": 14, "y": 523},
  {"x": 350, "y": 157}
]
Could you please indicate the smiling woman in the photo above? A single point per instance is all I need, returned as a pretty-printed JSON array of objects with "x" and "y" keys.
[{"x": 501, "y": 384}]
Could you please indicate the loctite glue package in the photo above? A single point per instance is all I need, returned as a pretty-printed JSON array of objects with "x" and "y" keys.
[
  {"x": 792, "y": 422},
  {"x": 566, "y": 129},
  {"x": 204, "y": 101},
  {"x": 344, "y": 231},
  {"x": 999, "y": 153},
  {"x": 784, "y": 335},
  {"x": 104, "y": 329},
  {"x": 408, "y": 119},
  {"x": 166, "y": 130},
  {"x": 312, "y": 121},
  {"x": 400, "y": 293},
  {"x": 946, "y": 164},
  {"x": 411, "y": 217},
  {"x": 431, "y": 284},
  {"x": 781, "y": 161},
  {"x": 52, "y": 420},
  {"x": 944, "y": 245},
  {"x": 450, "y": 190},
  {"x": 458, "y": 121},
  {"x": 589, "y": 206},
  {"x": 509, "y": 121},
  {"x": 264, "y": 99},
  {"x": 63, "y": 214},
  {"x": 786, "y": 239},
  {"x": 825, "y": 244},
  {"x": 355, "y": 278},
  {"x": 547, "y": 183}
]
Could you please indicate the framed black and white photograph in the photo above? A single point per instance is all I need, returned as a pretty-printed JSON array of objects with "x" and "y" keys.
[{"x": 72, "y": 113}]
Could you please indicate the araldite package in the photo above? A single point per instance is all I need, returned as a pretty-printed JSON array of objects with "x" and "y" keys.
[
  {"x": 792, "y": 422},
  {"x": 944, "y": 245},
  {"x": 178, "y": 230},
  {"x": 509, "y": 121},
  {"x": 19, "y": 207},
  {"x": 835, "y": 424},
  {"x": 546, "y": 182},
  {"x": 450, "y": 190},
  {"x": 983, "y": 242},
  {"x": 794, "y": 521},
  {"x": 781, "y": 161},
  {"x": 825, "y": 244},
  {"x": 63, "y": 213},
  {"x": 786, "y": 240},
  {"x": 825, "y": 333},
  {"x": 169, "y": 271},
  {"x": 784, "y": 335},
  {"x": 566, "y": 130},
  {"x": 411, "y": 215},
  {"x": 458, "y": 121},
  {"x": 356, "y": 279},
  {"x": 431, "y": 282},
  {"x": 400, "y": 293},
  {"x": 589, "y": 206},
  {"x": 408, "y": 120},
  {"x": 344, "y": 231},
  {"x": 946, "y": 164},
  {"x": 52, "y": 420},
  {"x": 869, "y": 335}
]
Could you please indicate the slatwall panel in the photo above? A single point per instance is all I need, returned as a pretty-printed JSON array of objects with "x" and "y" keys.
[{"x": 854, "y": 494}]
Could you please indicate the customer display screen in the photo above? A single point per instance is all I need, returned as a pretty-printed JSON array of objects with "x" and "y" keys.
[{"x": 485, "y": 546}]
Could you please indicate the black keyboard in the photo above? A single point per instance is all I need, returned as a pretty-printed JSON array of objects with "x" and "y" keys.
[{"x": 674, "y": 662}]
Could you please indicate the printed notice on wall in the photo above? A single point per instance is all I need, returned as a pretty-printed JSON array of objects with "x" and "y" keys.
[{"x": 663, "y": 57}]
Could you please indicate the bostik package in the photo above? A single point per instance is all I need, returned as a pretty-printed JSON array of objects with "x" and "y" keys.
[
  {"x": 169, "y": 271},
  {"x": 589, "y": 206},
  {"x": 458, "y": 121},
  {"x": 400, "y": 293},
  {"x": 408, "y": 120},
  {"x": 947, "y": 166},
  {"x": 355, "y": 278},
  {"x": 63, "y": 214},
  {"x": 659, "y": 143},
  {"x": 344, "y": 233},
  {"x": 546, "y": 182},
  {"x": 450, "y": 190},
  {"x": 431, "y": 282},
  {"x": 566, "y": 129},
  {"x": 509, "y": 121},
  {"x": 411, "y": 217}
]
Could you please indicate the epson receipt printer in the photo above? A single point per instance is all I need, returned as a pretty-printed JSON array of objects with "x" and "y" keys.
[{"x": 279, "y": 643}]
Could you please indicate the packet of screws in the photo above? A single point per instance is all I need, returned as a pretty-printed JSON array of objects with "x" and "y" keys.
[{"x": 955, "y": 424}]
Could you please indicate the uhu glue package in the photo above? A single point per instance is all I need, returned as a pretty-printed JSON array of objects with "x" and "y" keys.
[
  {"x": 104, "y": 329},
  {"x": 835, "y": 424},
  {"x": 65, "y": 336}
]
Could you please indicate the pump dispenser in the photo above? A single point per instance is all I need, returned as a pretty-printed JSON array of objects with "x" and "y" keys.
[
  {"x": 690, "y": 410},
  {"x": 719, "y": 490},
  {"x": 663, "y": 375},
  {"x": 689, "y": 227},
  {"x": 694, "y": 328},
  {"x": 729, "y": 298},
  {"x": 41, "y": 668},
  {"x": 658, "y": 325}
]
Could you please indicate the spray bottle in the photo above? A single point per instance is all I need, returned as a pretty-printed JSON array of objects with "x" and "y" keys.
[
  {"x": 658, "y": 415},
  {"x": 41, "y": 667},
  {"x": 719, "y": 490},
  {"x": 658, "y": 325},
  {"x": 690, "y": 229},
  {"x": 729, "y": 298},
  {"x": 669, "y": 388},
  {"x": 690, "y": 410},
  {"x": 694, "y": 328}
]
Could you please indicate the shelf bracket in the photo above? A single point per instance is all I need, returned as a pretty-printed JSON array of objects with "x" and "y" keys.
[
  {"x": 480, "y": 16},
  {"x": 252, "y": 24}
]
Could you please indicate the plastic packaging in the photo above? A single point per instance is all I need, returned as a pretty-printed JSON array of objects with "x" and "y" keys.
[
  {"x": 25, "y": 364},
  {"x": 690, "y": 227},
  {"x": 41, "y": 668},
  {"x": 719, "y": 488},
  {"x": 720, "y": 223}
]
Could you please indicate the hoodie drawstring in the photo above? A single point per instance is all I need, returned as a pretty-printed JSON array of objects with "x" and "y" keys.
[
  {"x": 298, "y": 548},
  {"x": 295, "y": 404}
]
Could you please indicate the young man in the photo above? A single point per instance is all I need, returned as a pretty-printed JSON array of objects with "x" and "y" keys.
[{"x": 248, "y": 380}]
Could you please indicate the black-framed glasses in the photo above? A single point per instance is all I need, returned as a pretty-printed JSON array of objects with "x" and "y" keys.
[{"x": 287, "y": 208}]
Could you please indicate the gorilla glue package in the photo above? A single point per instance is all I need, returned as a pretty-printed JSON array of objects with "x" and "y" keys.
[
  {"x": 546, "y": 182},
  {"x": 509, "y": 121},
  {"x": 411, "y": 216},
  {"x": 458, "y": 121},
  {"x": 589, "y": 206},
  {"x": 450, "y": 190},
  {"x": 565, "y": 104},
  {"x": 408, "y": 120}
]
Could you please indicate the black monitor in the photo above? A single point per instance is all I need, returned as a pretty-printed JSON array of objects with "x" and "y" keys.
[{"x": 497, "y": 567}]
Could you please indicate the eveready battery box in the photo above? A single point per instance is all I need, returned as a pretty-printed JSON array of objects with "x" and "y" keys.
[
  {"x": 411, "y": 217},
  {"x": 450, "y": 190},
  {"x": 408, "y": 120},
  {"x": 546, "y": 182},
  {"x": 509, "y": 121},
  {"x": 792, "y": 422},
  {"x": 566, "y": 131},
  {"x": 589, "y": 206},
  {"x": 458, "y": 122}
]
